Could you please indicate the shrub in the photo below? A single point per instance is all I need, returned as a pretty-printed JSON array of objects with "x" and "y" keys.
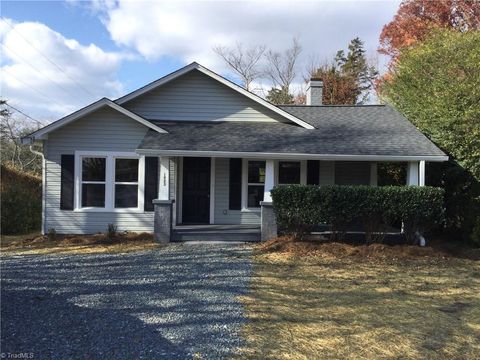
[
  {"x": 52, "y": 234},
  {"x": 294, "y": 207},
  {"x": 111, "y": 231},
  {"x": 21, "y": 201},
  {"x": 299, "y": 208}
]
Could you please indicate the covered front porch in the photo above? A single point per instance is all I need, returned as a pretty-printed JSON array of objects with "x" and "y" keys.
[{"x": 202, "y": 196}]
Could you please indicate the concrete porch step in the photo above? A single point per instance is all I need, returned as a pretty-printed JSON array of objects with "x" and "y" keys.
[{"x": 216, "y": 233}]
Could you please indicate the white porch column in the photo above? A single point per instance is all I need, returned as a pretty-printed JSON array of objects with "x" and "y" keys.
[
  {"x": 412, "y": 173},
  {"x": 373, "y": 174},
  {"x": 269, "y": 180},
  {"x": 421, "y": 175},
  {"x": 164, "y": 183}
]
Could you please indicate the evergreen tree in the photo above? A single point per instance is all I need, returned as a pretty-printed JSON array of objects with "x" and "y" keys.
[
  {"x": 280, "y": 96},
  {"x": 354, "y": 65}
]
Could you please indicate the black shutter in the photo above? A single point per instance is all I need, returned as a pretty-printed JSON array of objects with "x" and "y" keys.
[
  {"x": 235, "y": 185},
  {"x": 67, "y": 182},
  {"x": 151, "y": 182},
  {"x": 313, "y": 172}
]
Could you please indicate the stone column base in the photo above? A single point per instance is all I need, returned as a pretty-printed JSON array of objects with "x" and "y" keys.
[
  {"x": 269, "y": 221},
  {"x": 162, "y": 222}
]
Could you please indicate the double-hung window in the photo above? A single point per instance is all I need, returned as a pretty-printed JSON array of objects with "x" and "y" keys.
[
  {"x": 289, "y": 172},
  {"x": 255, "y": 183},
  {"x": 93, "y": 182},
  {"x": 126, "y": 183},
  {"x": 109, "y": 181}
]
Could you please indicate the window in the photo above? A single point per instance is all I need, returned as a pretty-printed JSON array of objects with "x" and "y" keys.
[
  {"x": 255, "y": 183},
  {"x": 109, "y": 181},
  {"x": 126, "y": 183},
  {"x": 93, "y": 182},
  {"x": 288, "y": 172}
]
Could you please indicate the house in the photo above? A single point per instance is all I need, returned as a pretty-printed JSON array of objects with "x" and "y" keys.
[{"x": 195, "y": 148}]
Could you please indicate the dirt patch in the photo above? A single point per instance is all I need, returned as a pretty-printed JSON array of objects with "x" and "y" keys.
[
  {"x": 338, "y": 305},
  {"x": 34, "y": 244},
  {"x": 288, "y": 246}
]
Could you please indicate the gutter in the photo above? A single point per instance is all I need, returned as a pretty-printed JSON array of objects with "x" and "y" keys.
[
  {"x": 44, "y": 172},
  {"x": 291, "y": 156}
]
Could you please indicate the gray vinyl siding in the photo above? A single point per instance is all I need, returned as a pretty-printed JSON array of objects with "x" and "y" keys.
[
  {"x": 104, "y": 130},
  {"x": 222, "y": 175},
  {"x": 352, "y": 173},
  {"x": 197, "y": 97},
  {"x": 327, "y": 173}
]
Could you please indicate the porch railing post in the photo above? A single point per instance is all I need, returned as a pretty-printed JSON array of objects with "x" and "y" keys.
[
  {"x": 268, "y": 228},
  {"x": 412, "y": 173}
]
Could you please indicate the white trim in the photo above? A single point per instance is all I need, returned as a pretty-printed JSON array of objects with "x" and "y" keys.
[
  {"x": 44, "y": 192},
  {"x": 269, "y": 179},
  {"x": 43, "y": 132},
  {"x": 373, "y": 174},
  {"x": 421, "y": 173},
  {"x": 212, "y": 191},
  {"x": 109, "y": 182},
  {"x": 164, "y": 183},
  {"x": 291, "y": 156},
  {"x": 231, "y": 85},
  {"x": 245, "y": 184}
]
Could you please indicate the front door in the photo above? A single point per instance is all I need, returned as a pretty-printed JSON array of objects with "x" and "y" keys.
[{"x": 196, "y": 191}]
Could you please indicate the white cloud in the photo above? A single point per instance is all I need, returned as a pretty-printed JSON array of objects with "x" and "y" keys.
[
  {"x": 189, "y": 29},
  {"x": 46, "y": 74}
]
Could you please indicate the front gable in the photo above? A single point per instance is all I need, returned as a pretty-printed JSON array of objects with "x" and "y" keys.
[
  {"x": 195, "y": 93},
  {"x": 194, "y": 96},
  {"x": 101, "y": 104}
]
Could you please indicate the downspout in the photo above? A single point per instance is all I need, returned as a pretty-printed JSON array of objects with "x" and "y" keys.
[{"x": 38, "y": 153}]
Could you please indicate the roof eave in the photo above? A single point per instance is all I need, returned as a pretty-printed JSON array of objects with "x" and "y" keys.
[
  {"x": 42, "y": 133},
  {"x": 292, "y": 156}
]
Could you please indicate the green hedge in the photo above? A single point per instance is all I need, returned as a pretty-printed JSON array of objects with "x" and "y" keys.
[{"x": 299, "y": 208}]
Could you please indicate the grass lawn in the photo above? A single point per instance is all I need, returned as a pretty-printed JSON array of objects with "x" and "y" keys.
[
  {"x": 356, "y": 303},
  {"x": 75, "y": 244}
]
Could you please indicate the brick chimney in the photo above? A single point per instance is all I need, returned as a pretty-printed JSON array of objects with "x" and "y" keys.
[{"x": 314, "y": 92}]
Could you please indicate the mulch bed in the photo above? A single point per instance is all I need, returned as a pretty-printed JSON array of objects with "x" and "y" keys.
[
  {"x": 435, "y": 249},
  {"x": 94, "y": 239}
]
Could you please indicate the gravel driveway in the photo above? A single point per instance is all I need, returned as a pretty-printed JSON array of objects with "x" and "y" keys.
[{"x": 178, "y": 302}]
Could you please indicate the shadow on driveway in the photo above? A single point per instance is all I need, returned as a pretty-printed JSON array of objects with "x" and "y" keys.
[{"x": 175, "y": 302}]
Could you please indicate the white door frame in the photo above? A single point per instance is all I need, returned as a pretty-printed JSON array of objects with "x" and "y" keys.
[{"x": 179, "y": 191}]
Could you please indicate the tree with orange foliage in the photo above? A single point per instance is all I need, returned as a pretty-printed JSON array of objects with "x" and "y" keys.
[{"x": 416, "y": 18}]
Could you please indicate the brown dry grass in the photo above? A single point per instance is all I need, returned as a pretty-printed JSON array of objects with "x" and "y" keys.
[
  {"x": 338, "y": 301},
  {"x": 76, "y": 244}
]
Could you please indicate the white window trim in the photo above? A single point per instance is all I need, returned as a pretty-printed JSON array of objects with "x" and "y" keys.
[
  {"x": 245, "y": 184},
  {"x": 109, "y": 181}
]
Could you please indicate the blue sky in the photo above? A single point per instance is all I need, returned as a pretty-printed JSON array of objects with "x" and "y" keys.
[{"x": 59, "y": 56}]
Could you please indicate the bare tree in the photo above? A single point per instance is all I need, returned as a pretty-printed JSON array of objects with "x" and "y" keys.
[
  {"x": 281, "y": 67},
  {"x": 245, "y": 62},
  {"x": 12, "y": 128}
]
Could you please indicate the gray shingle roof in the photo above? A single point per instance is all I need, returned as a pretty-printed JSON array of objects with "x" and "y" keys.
[{"x": 340, "y": 130}]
